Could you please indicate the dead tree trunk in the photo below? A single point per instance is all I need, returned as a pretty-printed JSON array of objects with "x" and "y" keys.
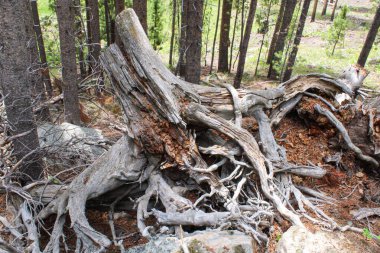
[
  {"x": 370, "y": 38},
  {"x": 65, "y": 16},
  {"x": 171, "y": 122},
  {"x": 244, "y": 44},
  {"x": 16, "y": 87},
  {"x": 297, "y": 41},
  {"x": 224, "y": 41}
]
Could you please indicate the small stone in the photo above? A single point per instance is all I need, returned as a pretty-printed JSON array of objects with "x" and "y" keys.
[{"x": 359, "y": 174}]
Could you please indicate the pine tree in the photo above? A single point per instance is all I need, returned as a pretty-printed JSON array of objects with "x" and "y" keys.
[
  {"x": 370, "y": 38},
  {"x": 156, "y": 25}
]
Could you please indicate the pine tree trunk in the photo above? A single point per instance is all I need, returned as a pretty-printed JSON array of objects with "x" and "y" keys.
[
  {"x": 280, "y": 42},
  {"x": 324, "y": 9},
  {"x": 297, "y": 41},
  {"x": 371, "y": 36},
  {"x": 314, "y": 11},
  {"x": 181, "y": 67},
  {"x": 107, "y": 21},
  {"x": 215, "y": 35},
  {"x": 119, "y": 7},
  {"x": 244, "y": 44},
  {"x": 65, "y": 16},
  {"x": 174, "y": 13},
  {"x": 194, "y": 41},
  {"x": 140, "y": 7},
  {"x": 333, "y": 10},
  {"x": 16, "y": 85},
  {"x": 36, "y": 71},
  {"x": 276, "y": 32},
  {"x": 41, "y": 47},
  {"x": 94, "y": 46},
  {"x": 80, "y": 34},
  {"x": 264, "y": 35},
  {"x": 233, "y": 39},
  {"x": 224, "y": 41}
]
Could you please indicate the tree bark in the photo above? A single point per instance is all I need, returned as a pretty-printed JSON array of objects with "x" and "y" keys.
[
  {"x": 244, "y": 44},
  {"x": 107, "y": 21},
  {"x": 140, "y": 7},
  {"x": 280, "y": 42},
  {"x": 276, "y": 31},
  {"x": 371, "y": 36},
  {"x": 215, "y": 35},
  {"x": 80, "y": 34},
  {"x": 94, "y": 45},
  {"x": 65, "y": 16},
  {"x": 16, "y": 83},
  {"x": 314, "y": 13},
  {"x": 297, "y": 41},
  {"x": 41, "y": 47},
  {"x": 174, "y": 13},
  {"x": 333, "y": 10},
  {"x": 194, "y": 40},
  {"x": 181, "y": 67},
  {"x": 233, "y": 36},
  {"x": 119, "y": 7},
  {"x": 324, "y": 9},
  {"x": 224, "y": 41}
]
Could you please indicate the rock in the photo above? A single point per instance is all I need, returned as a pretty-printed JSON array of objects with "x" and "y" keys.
[
  {"x": 212, "y": 241},
  {"x": 359, "y": 174},
  {"x": 298, "y": 239},
  {"x": 69, "y": 145}
]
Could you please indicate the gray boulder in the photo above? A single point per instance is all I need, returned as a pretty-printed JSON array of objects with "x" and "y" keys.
[{"x": 211, "y": 241}]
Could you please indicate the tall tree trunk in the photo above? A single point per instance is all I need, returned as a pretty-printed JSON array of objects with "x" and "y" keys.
[
  {"x": 333, "y": 10},
  {"x": 215, "y": 35},
  {"x": 276, "y": 31},
  {"x": 80, "y": 35},
  {"x": 264, "y": 35},
  {"x": 65, "y": 16},
  {"x": 314, "y": 11},
  {"x": 297, "y": 41},
  {"x": 280, "y": 42},
  {"x": 194, "y": 40},
  {"x": 41, "y": 47},
  {"x": 370, "y": 38},
  {"x": 233, "y": 36},
  {"x": 107, "y": 22},
  {"x": 174, "y": 13},
  {"x": 140, "y": 7},
  {"x": 94, "y": 46},
  {"x": 16, "y": 85},
  {"x": 324, "y": 9},
  {"x": 181, "y": 67},
  {"x": 119, "y": 7},
  {"x": 244, "y": 44},
  {"x": 224, "y": 41}
]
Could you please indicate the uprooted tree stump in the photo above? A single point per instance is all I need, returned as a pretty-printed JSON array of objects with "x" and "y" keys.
[{"x": 175, "y": 127}]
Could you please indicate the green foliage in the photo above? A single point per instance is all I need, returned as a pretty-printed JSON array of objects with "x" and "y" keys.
[
  {"x": 156, "y": 24},
  {"x": 337, "y": 31},
  {"x": 368, "y": 235}
]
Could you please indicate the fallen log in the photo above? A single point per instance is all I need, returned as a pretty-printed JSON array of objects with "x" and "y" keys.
[{"x": 243, "y": 178}]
